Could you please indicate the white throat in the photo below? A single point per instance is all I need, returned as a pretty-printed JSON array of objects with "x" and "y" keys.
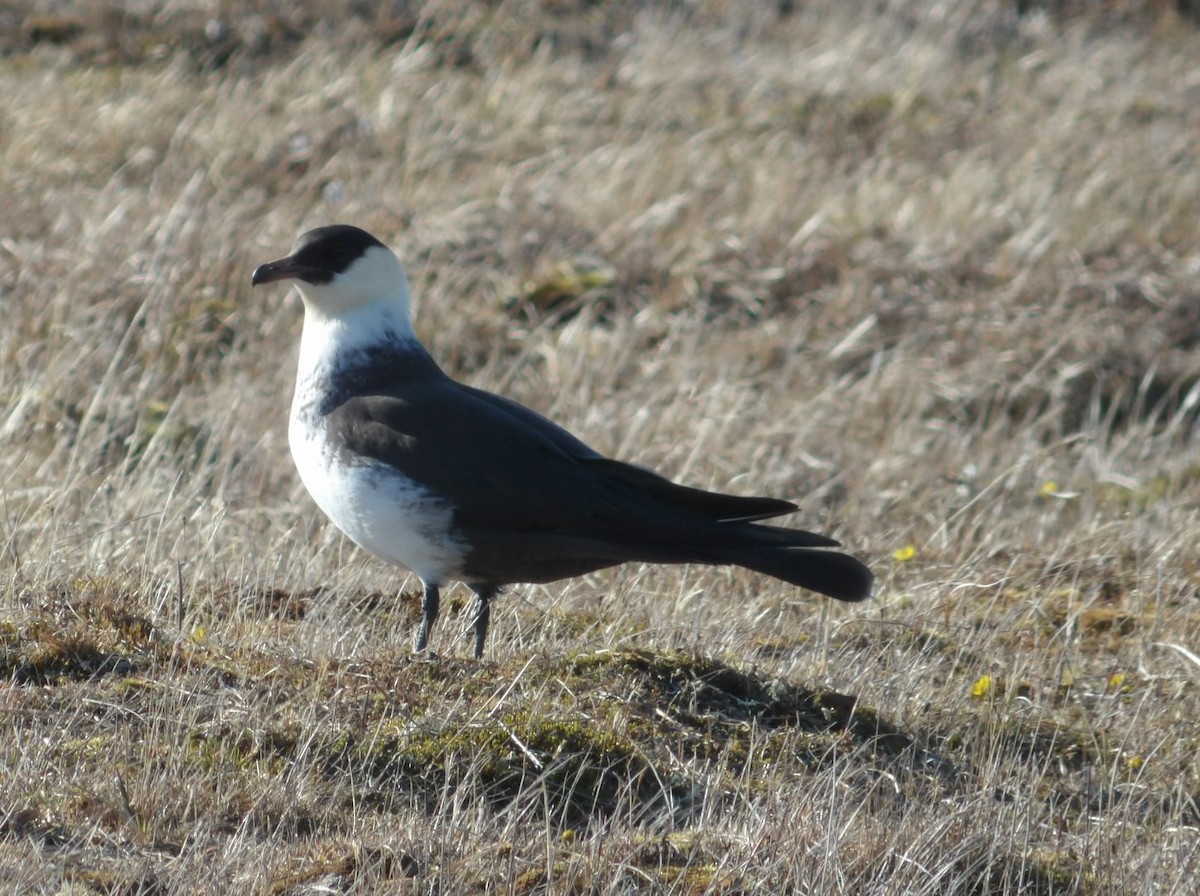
[
  {"x": 362, "y": 307},
  {"x": 329, "y": 340}
]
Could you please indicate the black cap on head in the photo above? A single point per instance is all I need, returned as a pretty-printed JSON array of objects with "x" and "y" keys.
[{"x": 318, "y": 256}]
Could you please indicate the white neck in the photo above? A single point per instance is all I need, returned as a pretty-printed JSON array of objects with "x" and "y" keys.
[
  {"x": 325, "y": 337},
  {"x": 361, "y": 307}
]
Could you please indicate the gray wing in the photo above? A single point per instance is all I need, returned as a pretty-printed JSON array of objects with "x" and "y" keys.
[
  {"x": 493, "y": 468},
  {"x": 505, "y": 467}
]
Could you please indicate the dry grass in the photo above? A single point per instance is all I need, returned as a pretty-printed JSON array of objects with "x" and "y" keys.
[{"x": 935, "y": 277}]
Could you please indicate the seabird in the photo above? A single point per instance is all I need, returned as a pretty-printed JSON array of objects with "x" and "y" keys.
[{"x": 455, "y": 483}]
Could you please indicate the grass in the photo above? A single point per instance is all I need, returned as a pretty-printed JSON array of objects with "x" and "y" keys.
[{"x": 932, "y": 276}]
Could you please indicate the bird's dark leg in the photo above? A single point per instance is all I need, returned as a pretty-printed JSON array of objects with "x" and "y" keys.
[
  {"x": 429, "y": 613},
  {"x": 483, "y": 616}
]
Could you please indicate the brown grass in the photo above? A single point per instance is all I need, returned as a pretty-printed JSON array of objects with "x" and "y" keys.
[{"x": 936, "y": 278}]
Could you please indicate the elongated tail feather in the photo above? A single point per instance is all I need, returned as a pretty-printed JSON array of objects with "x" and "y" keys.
[{"x": 827, "y": 572}]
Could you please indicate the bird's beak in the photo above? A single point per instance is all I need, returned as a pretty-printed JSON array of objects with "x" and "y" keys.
[{"x": 285, "y": 268}]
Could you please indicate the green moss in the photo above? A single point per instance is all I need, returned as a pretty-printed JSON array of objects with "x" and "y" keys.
[
  {"x": 51, "y": 658},
  {"x": 713, "y": 713},
  {"x": 583, "y": 766},
  {"x": 870, "y": 113},
  {"x": 158, "y": 423},
  {"x": 95, "y": 880},
  {"x": 1147, "y": 492},
  {"x": 701, "y": 689},
  {"x": 1049, "y": 739},
  {"x": 565, "y": 291},
  {"x": 577, "y": 623},
  {"x": 52, "y": 29},
  {"x": 706, "y": 878},
  {"x": 87, "y": 629},
  {"x": 926, "y": 643},
  {"x": 1043, "y": 873},
  {"x": 548, "y": 880}
]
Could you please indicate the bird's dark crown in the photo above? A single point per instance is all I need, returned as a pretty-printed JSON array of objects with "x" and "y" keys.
[{"x": 321, "y": 254}]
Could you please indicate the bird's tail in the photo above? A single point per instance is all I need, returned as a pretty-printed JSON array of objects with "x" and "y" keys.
[{"x": 835, "y": 575}]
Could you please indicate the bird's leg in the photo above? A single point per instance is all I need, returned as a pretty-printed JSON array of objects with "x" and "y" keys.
[
  {"x": 429, "y": 613},
  {"x": 483, "y": 616}
]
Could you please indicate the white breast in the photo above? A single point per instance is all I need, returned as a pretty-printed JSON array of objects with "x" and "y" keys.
[{"x": 380, "y": 510}]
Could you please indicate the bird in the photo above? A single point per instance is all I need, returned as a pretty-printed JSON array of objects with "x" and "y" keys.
[{"x": 455, "y": 483}]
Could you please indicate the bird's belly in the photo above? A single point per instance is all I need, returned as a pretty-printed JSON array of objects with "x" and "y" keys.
[{"x": 379, "y": 509}]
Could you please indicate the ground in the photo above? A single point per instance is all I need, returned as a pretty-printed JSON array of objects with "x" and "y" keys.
[{"x": 930, "y": 270}]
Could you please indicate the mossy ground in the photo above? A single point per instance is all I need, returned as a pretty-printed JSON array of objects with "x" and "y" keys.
[{"x": 580, "y": 743}]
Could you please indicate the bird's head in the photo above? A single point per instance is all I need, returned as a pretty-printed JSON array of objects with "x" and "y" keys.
[{"x": 339, "y": 270}]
